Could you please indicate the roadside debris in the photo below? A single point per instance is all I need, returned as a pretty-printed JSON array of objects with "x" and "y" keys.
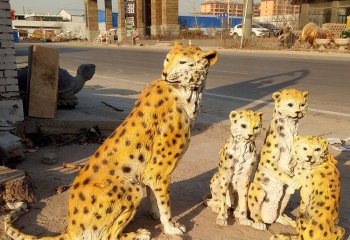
[
  {"x": 73, "y": 166},
  {"x": 15, "y": 186},
  {"x": 340, "y": 145},
  {"x": 63, "y": 188},
  {"x": 49, "y": 159}
]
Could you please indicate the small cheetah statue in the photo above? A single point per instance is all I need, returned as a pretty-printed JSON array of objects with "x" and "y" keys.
[
  {"x": 143, "y": 151},
  {"x": 320, "y": 191},
  {"x": 237, "y": 159},
  {"x": 267, "y": 197}
]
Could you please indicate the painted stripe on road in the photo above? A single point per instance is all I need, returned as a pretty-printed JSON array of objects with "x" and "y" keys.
[
  {"x": 271, "y": 103},
  {"x": 233, "y": 98}
]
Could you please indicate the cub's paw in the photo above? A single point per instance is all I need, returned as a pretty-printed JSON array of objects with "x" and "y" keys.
[
  {"x": 285, "y": 220},
  {"x": 259, "y": 226},
  {"x": 245, "y": 221},
  {"x": 222, "y": 221},
  {"x": 174, "y": 229},
  {"x": 143, "y": 234}
]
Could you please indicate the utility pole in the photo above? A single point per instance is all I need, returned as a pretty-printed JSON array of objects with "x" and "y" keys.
[
  {"x": 228, "y": 15},
  {"x": 247, "y": 21}
]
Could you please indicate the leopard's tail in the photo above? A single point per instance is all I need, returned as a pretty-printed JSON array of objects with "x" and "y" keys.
[{"x": 15, "y": 234}]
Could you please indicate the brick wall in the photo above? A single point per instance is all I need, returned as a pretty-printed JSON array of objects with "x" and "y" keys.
[
  {"x": 8, "y": 72},
  {"x": 11, "y": 107}
]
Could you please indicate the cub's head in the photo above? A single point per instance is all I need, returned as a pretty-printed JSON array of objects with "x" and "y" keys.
[
  {"x": 310, "y": 150},
  {"x": 246, "y": 124},
  {"x": 291, "y": 103},
  {"x": 187, "y": 66}
]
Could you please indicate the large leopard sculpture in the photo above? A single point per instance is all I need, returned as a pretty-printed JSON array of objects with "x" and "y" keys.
[
  {"x": 143, "y": 151},
  {"x": 267, "y": 197},
  {"x": 237, "y": 159},
  {"x": 320, "y": 191}
]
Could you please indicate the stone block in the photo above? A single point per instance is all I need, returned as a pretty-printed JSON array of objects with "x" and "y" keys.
[
  {"x": 6, "y": 28},
  {"x": 7, "y": 51},
  {"x": 11, "y": 80},
  {"x": 5, "y": 5},
  {"x": 12, "y": 88},
  {"x": 6, "y": 43},
  {"x": 2, "y": 89},
  {"x": 11, "y": 110},
  {"x": 10, "y": 73},
  {"x": 6, "y": 21},
  {"x": 44, "y": 64},
  {"x": 6, "y": 36},
  {"x": 10, "y": 95}
]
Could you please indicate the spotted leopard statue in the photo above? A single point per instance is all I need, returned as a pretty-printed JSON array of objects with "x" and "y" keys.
[
  {"x": 320, "y": 191},
  {"x": 267, "y": 197},
  {"x": 143, "y": 151},
  {"x": 237, "y": 159}
]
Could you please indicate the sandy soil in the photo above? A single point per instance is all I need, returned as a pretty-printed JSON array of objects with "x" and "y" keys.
[{"x": 191, "y": 179}]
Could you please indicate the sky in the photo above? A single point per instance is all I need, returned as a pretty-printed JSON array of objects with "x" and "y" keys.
[{"x": 54, "y": 6}]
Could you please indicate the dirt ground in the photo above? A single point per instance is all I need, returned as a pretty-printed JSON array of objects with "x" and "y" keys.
[{"x": 190, "y": 184}]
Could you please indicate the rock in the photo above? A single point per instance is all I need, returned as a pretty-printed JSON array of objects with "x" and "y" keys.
[
  {"x": 49, "y": 159},
  {"x": 19, "y": 190}
]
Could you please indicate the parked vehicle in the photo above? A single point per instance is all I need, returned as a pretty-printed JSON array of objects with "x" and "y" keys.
[
  {"x": 257, "y": 31},
  {"x": 273, "y": 30}
]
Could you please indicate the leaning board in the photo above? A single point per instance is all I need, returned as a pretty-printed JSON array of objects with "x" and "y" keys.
[{"x": 43, "y": 83}]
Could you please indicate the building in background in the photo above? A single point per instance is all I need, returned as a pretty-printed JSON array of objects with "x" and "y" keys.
[
  {"x": 215, "y": 7},
  {"x": 278, "y": 7},
  {"x": 72, "y": 15}
]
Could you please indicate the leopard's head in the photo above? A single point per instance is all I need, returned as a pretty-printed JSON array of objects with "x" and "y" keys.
[
  {"x": 187, "y": 66},
  {"x": 310, "y": 150},
  {"x": 246, "y": 124},
  {"x": 291, "y": 103}
]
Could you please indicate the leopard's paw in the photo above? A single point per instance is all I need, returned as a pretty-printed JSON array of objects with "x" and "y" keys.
[
  {"x": 222, "y": 221},
  {"x": 143, "y": 234},
  {"x": 259, "y": 226},
  {"x": 285, "y": 220},
  {"x": 245, "y": 221},
  {"x": 174, "y": 229}
]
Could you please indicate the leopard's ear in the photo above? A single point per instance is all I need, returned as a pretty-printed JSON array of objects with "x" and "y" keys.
[
  {"x": 232, "y": 115},
  {"x": 212, "y": 57},
  {"x": 177, "y": 44},
  {"x": 305, "y": 94},
  {"x": 276, "y": 96}
]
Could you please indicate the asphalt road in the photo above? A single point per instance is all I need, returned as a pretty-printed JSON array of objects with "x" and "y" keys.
[
  {"x": 240, "y": 77},
  {"x": 236, "y": 75}
]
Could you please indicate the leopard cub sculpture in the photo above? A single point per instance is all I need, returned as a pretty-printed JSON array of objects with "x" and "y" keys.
[
  {"x": 320, "y": 191},
  {"x": 237, "y": 158},
  {"x": 267, "y": 197},
  {"x": 143, "y": 151}
]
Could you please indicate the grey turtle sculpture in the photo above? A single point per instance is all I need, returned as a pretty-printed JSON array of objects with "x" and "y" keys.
[{"x": 68, "y": 85}]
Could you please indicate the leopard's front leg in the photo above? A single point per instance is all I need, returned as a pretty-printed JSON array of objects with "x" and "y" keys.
[
  {"x": 160, "y": 188},
  {"x": 240, "y": 212},
  {"x": 224, "y": 180}
]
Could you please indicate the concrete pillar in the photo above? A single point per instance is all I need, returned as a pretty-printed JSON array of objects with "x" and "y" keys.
[
  {"x": 91, "y": 19},
  {"x": 334, "y": 12},
  {"x": 156, "y": 8},
  {"x": 304, "y": 15},
  {"x": 121, "y": 21},
  {"x": 108, "y": 12},
  {"x": 139, "y": 16},
  {"x": 170, "y": 13}
]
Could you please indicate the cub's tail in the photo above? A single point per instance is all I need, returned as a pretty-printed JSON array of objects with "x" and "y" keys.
[{"x": 15, "y": 234}]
